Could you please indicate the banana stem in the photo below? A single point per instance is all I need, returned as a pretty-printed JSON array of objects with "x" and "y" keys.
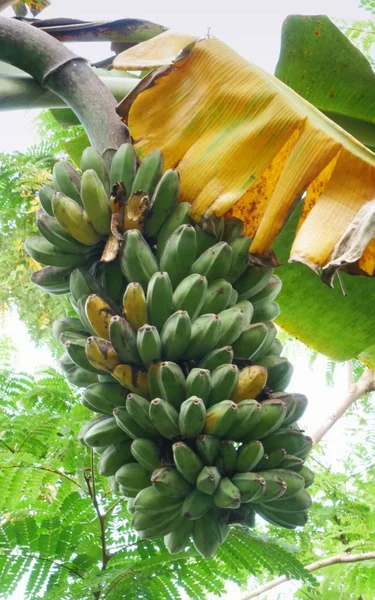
[{"x": 59, "y": 70}]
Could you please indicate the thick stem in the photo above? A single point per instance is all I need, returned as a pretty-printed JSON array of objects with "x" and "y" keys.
[
  {"x": 59, "y": 70},
  {"x": 320, "y": 564}
]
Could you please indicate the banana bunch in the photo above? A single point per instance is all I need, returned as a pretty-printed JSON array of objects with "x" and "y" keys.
[{"x": 175, "y": 348}]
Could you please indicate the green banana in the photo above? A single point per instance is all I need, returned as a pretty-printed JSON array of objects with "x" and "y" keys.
[
  {"x": 275, "y": 348},
  {"x": 165, "y": 418},
  {"x": 216, "y": 358},
  {"x": 66, "y": 180},
  {"x": 67, "y": 325},
  {"x": 248, "y": 456},
  {"x": 280, "y": 372},
  {"x": 137, "y": 261},
  {"x": 204, "y": 240},
  {"x": 52, "y": 231},
  {"x": 180, "y": 216},
  {"x": 133, "y": 477},
  {"x": 177, "y": 540},
  {"x": 83, "y": 284},
  {"x": 227, "y": 495},
  {"x": 143, "y": 521},
  {"x": 247, "y": 417},
  {"x": 74, "y": 219},
  {"x": 299, "y": 501},
  {"x": 205, "y": 335},
  {"x": 129, "y": 425},
  {"x": 275, "y": 486},
  {"x": 271, "y": 461},
  {"x": 170, "y": 381},
  {"x": 95, "y": 202},
  {"x": 268, "y": 293},
  {"x": 163, "y": 201},
  {"x": 139, "y": 410},
  {"x": 149, "y": 500},
  {"x": 190, "y": 295},
  {"x": 294, "y": 484},
  {"x": 192, "y": 416},
  {"x": 272, "y": 415},
  {"x": 228, "y": 452},
  {"x": 214, "y": 262},
  {"x": 287, "y": 520},
  {"x": 75, "y": 375},
  {"x": 52, "y": 280},
  {"x": 87, "y": 426},
  {"x": 47, "y": 254},
  {"x": 296, "y": 405},
  {"x": 123, "y": 168},
  {"x": 130, "y": 504},
  {"x": 148, "y": 344},
  {"x": 240, "y": 254},
  {"x": 159, "y": 299},
  {"x": 114, "y": 281},
  {"x": 105, "y": 396},
  {"x": 233, "y": 298},
  {"x": 266, "y": 312},
  {"x": 233, "y": 321},
  {"x": 195, "y": 505},
  {"x": 206, "y": 535},
  {"x": 114, "y": 457},
  {"x": 217, "y": 298},
  {"x": 45, "y": 194},
  {"x": 219, "y": 418},
  {"x": 208, "y": 480},
  {"x": 254, "y": 341},
  {"x": 187, "y": 462},
  {"x": 253, "y": 280},
  {"x": 175, "y": 335},
  {"x": 76, "y": 350},
  {"x": 91, "y": 160},
  {"x": 198, "y": 383},
  {"x": 161, "y": 530},
  {"x": 149, "y": 172},
  {"x": 179, "y": 254},
  {"x": 124, "y": 340},
  {"x": 168, "y": 482},
  {"x": 208, "y": 448},
  {"x": 293, "y": 463},
  {"x": 251, "y": 485},
  {"x": 147, "y": 453},
  {"x": 224, "y": 382},
  {"x": 104, "y": 433},
  {"x": 308, "y": 476}
]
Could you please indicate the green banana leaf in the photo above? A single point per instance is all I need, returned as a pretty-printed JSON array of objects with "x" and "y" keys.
[{"x": 322, "y": 65}]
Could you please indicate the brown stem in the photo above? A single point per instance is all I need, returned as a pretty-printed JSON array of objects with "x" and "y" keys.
[
  {"x": 90, "y": 482},
  {"x": 320, "y": 564}
]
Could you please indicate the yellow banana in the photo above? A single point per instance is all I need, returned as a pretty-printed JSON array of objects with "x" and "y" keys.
[
  {"x": 132, "y": 378},
  {"x": 135, "y": 306},
  {"x": 251, "y": 382},
  {"x": 74, "y": 220},
  {"x": 99, "y": 314},
  {"x": 101, "y": 354}
]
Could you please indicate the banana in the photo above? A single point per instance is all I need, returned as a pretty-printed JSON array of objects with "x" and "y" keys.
[
  {"x": 105, "y": 396},
  {"x": 195, "y": 505},
  {"x": 104, "y": 433},
  {"x": 292, "y": 463},
  {"x": 272, "y": 415},
  {"x": 293, "y": 441},
  {"x": 300, "y": 501},
  {"x": 139, "y": 409},
  {"x": 219, "y": 418},
  {"x": 74, "y": 219},
  {"x": 247, "y": 417},
  {"x": 123, "y": 168},
  {"x": 190, "y": 295},
  {"x": 287, "y": 520},
  {"x": 192, "y": 416},
  {"x": 178, "y": 217},
  {"x": 240, "y": 254},
  {"x": 266, "y": 312},
  {"x": 216, "y": 358},
  {"x": 187, "y": 462},
  {"x": 227, "y": 495},
  {"x": 295, "y": 483},
  {"x": 47, "y": 254},
  {"x": 114, "y": 457},
  {"x": 224, "y": 381},
  {"x": 204, "y": 240},
  {"x": 233, "y": 321},
  {"x": 129, "y": 425},
  {"x": 134, "y": 305},
  {"x": 248, "y": 456},
  {"x": 148, "y": 344},
  {"x": 254, "y": 341},
  {"x": 130, "y": 503},
  {"x": 149, "y": 500},
  {"x": 275, "y": 487},
  {"x": 308, "y": 476},
  {"x": 67, "y": 325},
  {"x": 99, "y": 313},
  {"x": 205, "y": 335},
  {"x": 177, "y": 540},
  {"x": 133, "y": 477},
  {"x": 276, "y": 348},
  {"x": 143, "y": 521},
  {"x": 95, "y": 202},
  {"x": 149, "y": 172},
  {"x": 179, "y": 254},
  {"x": 233, "y": 298},
  {"x": 161, "y": 530},
  {"x": 208, "y": 480},
  {"x": 155, "y": 390},
  {"x": 124, "y": 340},
  {"x": 147, "y": 453},
  {"x": 171, "y": 383},
  {"x": 251, "y": 382},
  {"x": 271, "y": 461},
  {"x": 198, "y": 383},
  {"x": 137, "y": 261},
  {"x": 52, "y": 280},
  {"x": 66, "y": 180},
  {"x": 159, "y": 299},
  {"x": 86, "y": 426},
  {"x": 101, "y": 354},
  {"x": 76, "y": 350},
  {"x": 251, "y": 485},
  {"x": 168, "y": 482},
  {"x": 214, "y": 262},
  {"x": 206, "y": 535},
  {"x": 75, "y": 375},
  {"x": 268, "y": 293},
  {"x": 279, "y": 370},
  {"x": 175, "y": 335},
  {"x": 163, "y": 201},
  {"x": 208, "y": 448},
  {"x": 82, "y": 284},
  {"x": 91, "y": 160},
  {"x": 45, "y": 194},
  {"x": 228, "y": 452},
  {"x": 80, "y": 310},
  {"x": 253, "y": 280},
  {"x": 132, "y": 378},
  {"x": 217, "y": 298},
  {"x": 52, "y": 231},
  {"x": 114, "y": 281},
  {"x": 165, "y": 418},
  {"x": 296, "y": 405}
]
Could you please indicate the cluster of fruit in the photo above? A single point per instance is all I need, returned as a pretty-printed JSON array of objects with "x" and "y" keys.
[{"x": 175, "y": 346}]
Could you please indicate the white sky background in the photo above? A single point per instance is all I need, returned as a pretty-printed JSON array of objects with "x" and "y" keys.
[{"x": 253, "y": 28}]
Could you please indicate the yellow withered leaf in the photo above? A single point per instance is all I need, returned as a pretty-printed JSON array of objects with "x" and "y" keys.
[{"x": 246, "y": 145}]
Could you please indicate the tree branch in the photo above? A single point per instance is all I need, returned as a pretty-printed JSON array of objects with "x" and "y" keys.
[
  {"x": 320, "y": 564},
  {"x": 364, "y": 385},
  {"x": 53, "y": 562},
  {"x": 89, "y": 476}
]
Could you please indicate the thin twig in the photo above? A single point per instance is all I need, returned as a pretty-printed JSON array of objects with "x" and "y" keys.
[
  {"x": 89, "y": 476},
  {"x": 8, "y": 447},
  {"x": 110, "y": 509},
  {"x": 55, "y": 471},
  {"x": 53, "y": 562}
]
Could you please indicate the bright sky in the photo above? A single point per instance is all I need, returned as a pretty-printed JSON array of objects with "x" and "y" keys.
[{"x": 252, "y": 27}]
